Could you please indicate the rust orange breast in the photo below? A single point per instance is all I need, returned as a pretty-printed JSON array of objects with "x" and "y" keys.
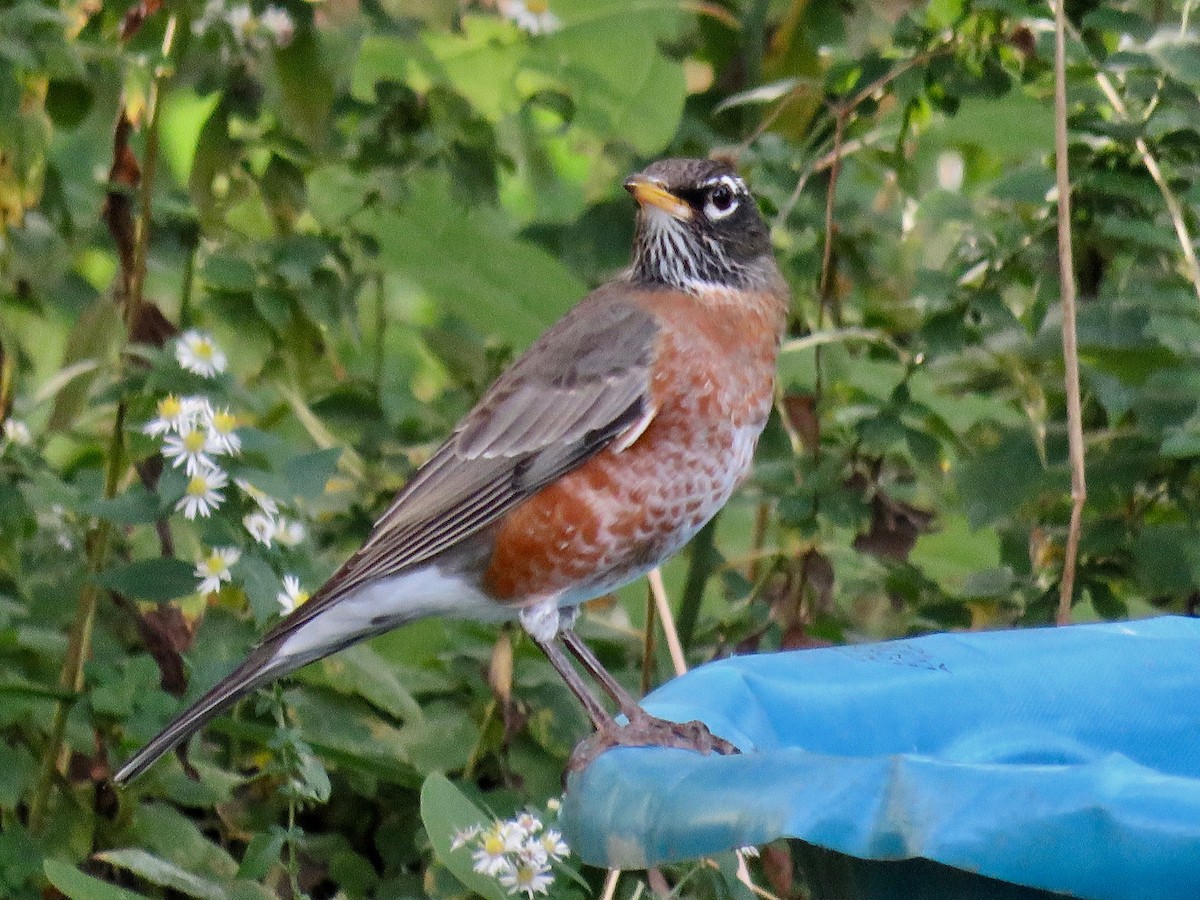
[{"x": 623, "y": 512}]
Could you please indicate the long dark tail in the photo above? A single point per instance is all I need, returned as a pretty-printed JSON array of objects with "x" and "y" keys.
[{"x": 263, "y": 665}]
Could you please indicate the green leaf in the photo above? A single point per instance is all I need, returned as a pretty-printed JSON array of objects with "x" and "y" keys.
[
  {"x": 445, "y": 810},
  {"x": 164, "y": 874},
  {"x": 92, "y": 338},
  {"x": 307, "y": 473},
  {"x": 137, "y": 506},
  {"x": 361, "y": 671},
  {"x": 77, "y": 886},
  {"x": 151, "y": 579},
  {"x": 262, "y": 852},
  {"x": 464, "y": 260}
]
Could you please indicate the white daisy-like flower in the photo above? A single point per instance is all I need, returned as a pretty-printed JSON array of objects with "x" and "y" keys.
[
  {"x": 192, "y": 449},
  {"x": 532, "y": 16},
  {"x": 532, "y": 853},
  {"x": 289, "y": 532},
  {"x": 214, "y": 568},
  {"x": 278, "y": 24},
  {"x": 527, "y": 878},
  {"x": 197, "y": 352},
  {"x": 495, "y": 845},
  {"x": 172, "y": 416},
  {"x": 554, "y": 805},
  {"x": 464, "y": 836},
  {"x": 292, "y": 594},
  {"x": 265, "y": 501},
  {"x": 529, "y": 823},
  {"x": 221, "y": 424},
  {"x": 203, "y": 494},
  {"x": 17, "y": 432},
  {"x": 553, "y": 844},
  {"x": 261, "y": 527}
]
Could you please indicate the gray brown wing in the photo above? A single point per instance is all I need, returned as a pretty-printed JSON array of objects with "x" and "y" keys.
[{"x": 577, "y": 388}]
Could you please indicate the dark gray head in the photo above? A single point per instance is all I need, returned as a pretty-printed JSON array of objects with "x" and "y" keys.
[{"x": 698, "y": 228}]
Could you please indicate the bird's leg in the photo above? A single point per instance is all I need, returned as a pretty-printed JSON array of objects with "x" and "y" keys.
[
  {"x": 541, "y": 622},
  {"x": 602, "y": 676},
  {"x": 544, "y": 624},
  {"x": 590, "y": 702}
]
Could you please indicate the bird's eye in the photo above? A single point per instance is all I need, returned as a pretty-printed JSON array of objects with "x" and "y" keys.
[{"x": 722, "y": 200}]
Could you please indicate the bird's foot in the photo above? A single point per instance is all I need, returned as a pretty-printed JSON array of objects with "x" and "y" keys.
[{"x": 645, "y": 730}]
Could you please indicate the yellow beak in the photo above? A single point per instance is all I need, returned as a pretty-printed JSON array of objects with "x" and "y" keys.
[{"x": 651, "y": 193}]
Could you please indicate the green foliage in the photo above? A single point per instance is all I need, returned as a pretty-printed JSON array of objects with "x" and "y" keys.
[{"x": 370, "y": 209}]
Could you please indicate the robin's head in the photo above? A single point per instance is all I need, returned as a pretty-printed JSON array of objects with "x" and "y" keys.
[{"x": 698, "y": 228}]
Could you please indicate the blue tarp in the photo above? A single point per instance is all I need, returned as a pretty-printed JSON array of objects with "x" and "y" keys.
[{"x": 1066, "y": 759}]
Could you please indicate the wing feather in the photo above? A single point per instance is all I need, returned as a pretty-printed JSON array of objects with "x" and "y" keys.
[{"x": 576, "y": 389}]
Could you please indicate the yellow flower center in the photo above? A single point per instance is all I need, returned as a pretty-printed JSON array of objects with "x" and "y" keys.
[
  {"x": 301, "y": 597},
  {"x": 224, "y": 422},
  {"x": 170, "y": 407},
  {"x": 537, "y": 7},
  {"x": 215, "y": 563},
  {"x": 193, "y": 441},
  {"x": 493, "y": 844},
  {"x": 203, "y": 349},
  {"x": 197, "y": 486}
]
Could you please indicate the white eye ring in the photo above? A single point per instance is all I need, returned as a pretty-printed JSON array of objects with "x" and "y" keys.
[{"x": 724, "y": 198}]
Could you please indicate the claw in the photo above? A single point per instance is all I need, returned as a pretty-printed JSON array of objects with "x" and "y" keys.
[{"x": 647, "y": 731}]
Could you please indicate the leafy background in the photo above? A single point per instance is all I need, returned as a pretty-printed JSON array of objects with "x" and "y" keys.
[{"x": 373, "y": 216}]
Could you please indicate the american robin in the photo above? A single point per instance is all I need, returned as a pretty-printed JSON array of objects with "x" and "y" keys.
[{"x": 595, "y": 457}]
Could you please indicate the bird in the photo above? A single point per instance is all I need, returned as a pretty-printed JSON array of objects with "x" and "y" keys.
[{"x": 597, "y": 455}]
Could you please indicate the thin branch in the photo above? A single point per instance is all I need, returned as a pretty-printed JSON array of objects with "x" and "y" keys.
[
  {"x": 1174, "y": 207},
  {"x": 1066, "y": 270},
  {"x": 668, "y": 620},
  {"x": 842, "y": 112},
  {"x": 648, "y": 643},
  {"x": 610, "y": 884},
  {"x": 79, "y": 641}
]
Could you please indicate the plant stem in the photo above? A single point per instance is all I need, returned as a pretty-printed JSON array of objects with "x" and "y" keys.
[
  {"x": 1066, "y": 271},
  {"x": 79, "y": 641}
]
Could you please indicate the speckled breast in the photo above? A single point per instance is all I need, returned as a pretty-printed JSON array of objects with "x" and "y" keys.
[{"x": 624, "y": 512}]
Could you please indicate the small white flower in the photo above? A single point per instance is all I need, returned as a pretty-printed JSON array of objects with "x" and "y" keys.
[
  {"x": 553, "y": 844},
  {"x": 214, "y": 568},
  {"x": 55, "y": 520},
  {"x": 529, "y": 823},
  {"x": 532, "y": 853},
  {"x": 17, "y": 432},
  {"x": 289, "y": 532},
  {"x": 292, "y": 594},
  {"x": 532, "y": 16},
  {"x": 464, "y": 836},
  {"x": 171, "y": 417},
  {"x": 278, "y": 23},
  {"x": 203, "y": 494},
  {"x": 240, "y": 19},
  {"x": 751, "y": 852},
  {"x": 191, "y": 449},
  {"x": 221, "y": 424},
  {"x": 261, "y": 527},
  {"x": 527, "y": 878},
  {"x": 554, "y": 805},
  {"x": 214, "y": 11},
  {"x": 264, "y": 500},
  {"x": 495, "y": 844},
  {"x": 197, "y": 352}
]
